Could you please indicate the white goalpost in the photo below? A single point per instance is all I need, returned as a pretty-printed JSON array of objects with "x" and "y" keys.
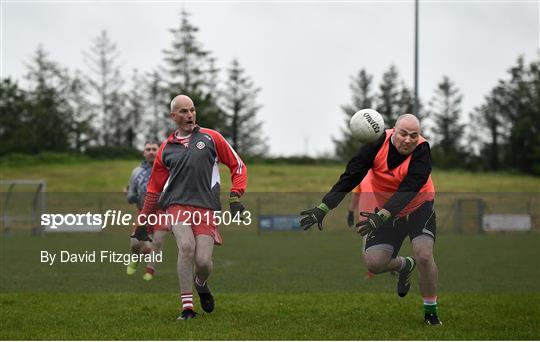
[{"x": 22, "y": 203}]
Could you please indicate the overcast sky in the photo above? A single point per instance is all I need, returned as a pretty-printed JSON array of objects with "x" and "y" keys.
[{"x": 301, "y": 54}]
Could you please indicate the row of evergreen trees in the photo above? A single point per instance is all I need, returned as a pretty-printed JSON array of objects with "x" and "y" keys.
[
  {"x": 501, "y": 133},
  {"x": 61, "y": 110}
]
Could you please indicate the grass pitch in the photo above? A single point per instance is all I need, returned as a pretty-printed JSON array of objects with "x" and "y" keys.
[
  {"x": 293, "y": 285},
  {"x": 280, "y": 285},
  {"x": 268, "y": 316}
]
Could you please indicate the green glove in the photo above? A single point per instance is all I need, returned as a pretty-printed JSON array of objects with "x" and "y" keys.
[
  {"x": 314, "y": 215},
  {"x": 237, "y": 208},
  {"x": 372, "y": 222},
  {"x": 141, "y": 234}
]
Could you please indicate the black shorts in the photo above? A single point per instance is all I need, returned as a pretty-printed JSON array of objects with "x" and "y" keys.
[{"x": 390, "y": 236}]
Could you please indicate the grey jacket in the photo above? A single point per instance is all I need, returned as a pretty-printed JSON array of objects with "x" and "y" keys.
[
  {"x": 190, "y": 175},
  {"x": 138, "y": 183}
]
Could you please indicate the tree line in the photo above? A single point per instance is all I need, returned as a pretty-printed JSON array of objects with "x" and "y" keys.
[
  {"x": 61, "y": 110},
  {"x": 502, "y": 133}
]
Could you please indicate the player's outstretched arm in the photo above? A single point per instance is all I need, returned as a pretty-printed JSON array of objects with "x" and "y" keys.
[{"x": 356, "y": 170}]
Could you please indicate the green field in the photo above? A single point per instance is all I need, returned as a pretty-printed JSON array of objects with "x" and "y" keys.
[
  {"x": 272, "y": 286},
  {"x": 112, "y": 176},
  {"x": 279, "y": 285}
]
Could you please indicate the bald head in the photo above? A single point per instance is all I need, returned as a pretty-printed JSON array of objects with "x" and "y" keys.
[
  {"x": 406, "y": 134},
  {"x": 183, "y": 114},
  {"x": 408, "y": 121},
  {"x": 180, "y": 101}
]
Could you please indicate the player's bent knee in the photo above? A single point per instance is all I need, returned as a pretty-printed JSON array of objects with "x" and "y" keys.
[
  {"x": 375, "y": 264},
  {"x": 376, "y": 268},
  {"x": 203, "y": 262},
  {"x": 377, "y": 258}
]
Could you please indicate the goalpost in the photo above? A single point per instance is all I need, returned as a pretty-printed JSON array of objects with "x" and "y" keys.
[{"x": 22, "y": 203}]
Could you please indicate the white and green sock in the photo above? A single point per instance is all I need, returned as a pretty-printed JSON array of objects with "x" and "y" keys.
[{"x": 430, "y": 305}]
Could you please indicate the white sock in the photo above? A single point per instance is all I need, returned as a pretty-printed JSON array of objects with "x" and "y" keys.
[
  {"x": 403, "y": 263},
  {"x": 187, "y": 301}
]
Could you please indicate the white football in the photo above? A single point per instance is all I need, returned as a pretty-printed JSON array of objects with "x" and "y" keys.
[{"x": 367, "y": 125}]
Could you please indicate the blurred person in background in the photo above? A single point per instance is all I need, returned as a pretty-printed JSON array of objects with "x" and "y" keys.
[{"x": 135, "y": 193}]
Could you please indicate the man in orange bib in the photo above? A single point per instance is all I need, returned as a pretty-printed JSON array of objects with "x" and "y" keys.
[{"x": 397, "y": 201}]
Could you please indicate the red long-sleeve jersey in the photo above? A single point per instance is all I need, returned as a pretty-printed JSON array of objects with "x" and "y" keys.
[{"x": 189, "y": 175}]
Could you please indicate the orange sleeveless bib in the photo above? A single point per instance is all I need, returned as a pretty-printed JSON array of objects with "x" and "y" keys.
[{"x": 381, "y": 183}]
